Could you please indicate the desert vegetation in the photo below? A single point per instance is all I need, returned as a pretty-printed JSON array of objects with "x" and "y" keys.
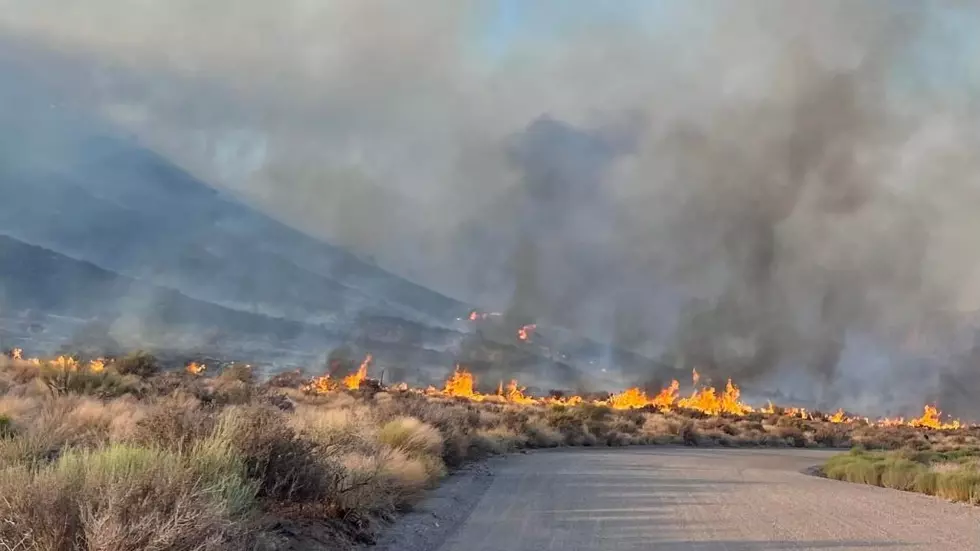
[
  {"x": 122, "y": 454},
  {"x": 950, "y": 471}
]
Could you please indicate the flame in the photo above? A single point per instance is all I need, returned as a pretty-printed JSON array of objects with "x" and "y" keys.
[
  {"x": 97, "y": 365},
  {"x": 460, "y": 384},
  {"x": 769, "y": 409},
  {"x": 839, "y": 417},
  {"x": 709, "y": 402},
  {"x": 500, "y": 388},
  {"x": 65, "y": 363},
  {"x": 476, "y": 315},
  {"x": 319, "y": 385},
  {"x": 195, "y": 368},
  {"x": 695, "y": 376},
  {"x": 525, "y": 332},
  {"x": 17, "y": 354},
  {"x": 665, "y": 400},
  {"x": 354, "y": 380},
  {"x": 931, "y": 419},
  {"x": 516, "y": 395},
  {"x": 629, "y": 398}
]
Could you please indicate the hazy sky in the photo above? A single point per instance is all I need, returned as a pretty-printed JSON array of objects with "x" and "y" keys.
[{"x": 806, "y": 169}]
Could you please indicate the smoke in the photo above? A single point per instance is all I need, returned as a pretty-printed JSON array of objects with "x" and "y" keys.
[{"x": 777, "y": 191}]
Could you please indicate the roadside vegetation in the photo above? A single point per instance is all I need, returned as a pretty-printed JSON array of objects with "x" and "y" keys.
[
  {"x": 124, "y": 455},
  {"x": 953, "y": 473}
]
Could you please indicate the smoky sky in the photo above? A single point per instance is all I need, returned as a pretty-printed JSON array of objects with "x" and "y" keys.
[{"x": 780, "y": 191}]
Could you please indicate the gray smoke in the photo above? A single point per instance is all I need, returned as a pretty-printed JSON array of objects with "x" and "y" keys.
[{"x": 780, "y": 191}]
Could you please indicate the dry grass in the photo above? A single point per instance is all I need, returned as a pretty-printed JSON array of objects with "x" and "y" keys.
[{"x": 132, "y": 457}]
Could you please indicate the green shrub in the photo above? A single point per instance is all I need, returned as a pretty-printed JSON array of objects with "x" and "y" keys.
[
  {"x": 900, "y": 474},
  {"x": 6, "y": 427},
  {"x": 958, "y": 485},
  {"x": 925, "y": 482}
]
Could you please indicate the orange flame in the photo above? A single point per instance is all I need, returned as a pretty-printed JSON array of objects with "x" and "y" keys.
[
  {"x": 354, "y": 380},
  {"x": 97, "y": 365},
  {"x": 195, "y": 368},
  {"x": 525, "y": 332},
  {"x": 460, "y": 384},
  {"x": 665, "y": 400},
  {"x": 931, "y": 419},
  {"x": 319, "y": 385},
  {"x": 17, "y": 354},
  {"x": 709, "y": 402},
  {"x": 629, "y": 398},
  {"x": 516, "y": 395},
  {"x": 65, "y": 363}
]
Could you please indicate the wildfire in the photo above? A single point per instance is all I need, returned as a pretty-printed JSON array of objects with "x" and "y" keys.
[
  {"x": 477, "y": 316},
  {"x": 97, "y": 365},
  {"x": 354, "y": 380},
  {"x": 65, "y": 363},
  {"x": 460, "y": 384},
  {"x": 195, "y": 368},
  {"x": 629, "y": 398},
  {"x": 515, "y": 393},
  {"x": 707, "y": 400},
  {"x": 319, "y": 385},
  {"x": 839, "y": 417},
  {"x": 931, "y": 419},
  {"x": 17, "y": 354},
  {"x": 525, "y": 332}
]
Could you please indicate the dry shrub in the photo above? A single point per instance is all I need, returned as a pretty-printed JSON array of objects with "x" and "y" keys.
[
  {"x": 141, "y": 364},
  {"x": 46, "y": 426},
  {"x": 174, "y": 422},
  {"x": 126, "y": 498},
  {"x": 238, "y": 372},
  {"x": 287, "y": 379},
  {"x": 540, "y": 435},
  {"x": 688, "y": 433},
  {"x": 334, "y": 430},
  {"x": 411, "y": 436},
  {"x": 792, "y": 434},
  {"x": 284, "y": 465}
]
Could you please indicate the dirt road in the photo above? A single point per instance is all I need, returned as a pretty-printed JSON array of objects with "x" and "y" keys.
[{"x": 699, "y": 500}]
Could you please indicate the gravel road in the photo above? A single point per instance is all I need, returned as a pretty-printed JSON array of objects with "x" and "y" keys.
[{"x": 676, "y": 499}]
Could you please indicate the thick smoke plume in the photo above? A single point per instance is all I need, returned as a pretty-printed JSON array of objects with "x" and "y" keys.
[{"x": 781, "y": 192}]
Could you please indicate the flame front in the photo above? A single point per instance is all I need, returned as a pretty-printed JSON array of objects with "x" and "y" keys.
[
  {"x": 460, "y": 384},
  {"x": 17, "y": 354},
  {"x": 97, "y": 365},
  {"x": 931, "y": 419},
  {"x": 354, "y": 380},
  {"x": 515, "y": 394}
]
